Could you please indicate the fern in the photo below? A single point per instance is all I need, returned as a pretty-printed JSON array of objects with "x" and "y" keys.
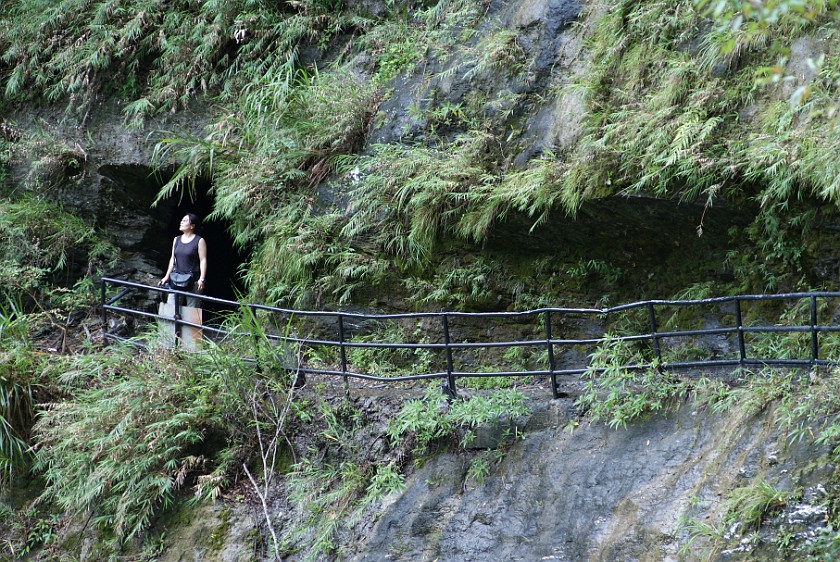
[
  {"x": 76, "y": 48},
  {"x": 38, "y": 239},
  {"x": 146, "y": 450},
  {"x": 17, "y": 396}
]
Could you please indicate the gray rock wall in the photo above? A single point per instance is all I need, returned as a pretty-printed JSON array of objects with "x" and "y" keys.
[{"x": 594, "y": 494}]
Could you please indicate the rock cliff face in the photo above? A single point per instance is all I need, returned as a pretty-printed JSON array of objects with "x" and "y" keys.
[
  {"x": 115, "y": 184},
  {"x": 595, "y": 493},
  {"x": 592, "y": 494}
]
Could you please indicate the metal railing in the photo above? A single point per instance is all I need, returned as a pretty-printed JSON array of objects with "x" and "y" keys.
[{"x": 651, "y": 327}]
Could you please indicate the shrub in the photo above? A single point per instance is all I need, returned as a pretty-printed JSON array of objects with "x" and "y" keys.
[
  {"x": 619, "y": 395},
  {"x": 16, "y": 390},
  {"x": 121, "y": 448},
  {"x": 430, "y": 418},
  {"x": 39, "y": 240}
]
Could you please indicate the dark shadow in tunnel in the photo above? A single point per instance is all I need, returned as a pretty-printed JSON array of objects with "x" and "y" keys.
[
  {"x": 148, "y": 231},
  {"x": 223, "y": 258}
]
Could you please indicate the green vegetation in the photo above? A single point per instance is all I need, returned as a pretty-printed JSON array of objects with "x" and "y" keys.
[
  {"x": 133, "y": 428},
  {"x": 16, "y": 392},
  {"x": 43, "y": 250},
  {"x": 333, "y": 498},
  {"x": 677, "y": 105},
  {"x": 618, "y": 395},
  {"x": 482, "y": 465},
  {"x": 267, "y": 157},
  {"x": 40, "y": 241},
  {"x": 128, "y": 431},
  {"x": 803, "y": 406},
  {"x": 750, "y": 505},
  {"x": 675, "y": 112},
  {"x": 155, "y": 55},
  {"x": 147, "y": 415},
  {"x": 427, "y": 420},
  {"x": 340, "y": 480},
  {"x": 747, "y": 508},
  {"x": 661, "y": 118},
  {"x": 393, "y": 362}
]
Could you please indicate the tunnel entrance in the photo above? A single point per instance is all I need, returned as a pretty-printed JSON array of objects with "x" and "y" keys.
[
  {"x": 223, "y": 258},
  {"x": 146, "y": 232}
]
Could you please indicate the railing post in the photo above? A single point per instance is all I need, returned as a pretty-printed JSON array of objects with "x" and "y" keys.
[
  {"x": 259, "y": 357},
  {"x": 449, "y": 365},
  {"x": 343, "y": 352},
  {"x": 740, "y": 326},
  {"x": 654, "y": 338},
  {"x": 104, "y": 313},
  {"x": 550, "y": 346},
  {"x": 176, "y": 317},
  {"x": 815, "y": 350}
]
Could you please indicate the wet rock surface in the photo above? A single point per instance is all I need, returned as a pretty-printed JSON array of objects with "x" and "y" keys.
[{"x": 594, "y": 494}]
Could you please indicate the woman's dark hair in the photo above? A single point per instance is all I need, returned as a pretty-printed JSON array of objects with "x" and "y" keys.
[{"x": 194, "y": 220}]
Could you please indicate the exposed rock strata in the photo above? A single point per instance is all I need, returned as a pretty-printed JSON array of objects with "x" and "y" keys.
[{"x": 594, "y": 494}]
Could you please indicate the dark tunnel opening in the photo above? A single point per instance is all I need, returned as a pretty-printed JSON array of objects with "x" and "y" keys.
[
  {"x": 148, "y": 230},
  {"x": 223, "y": 258}
]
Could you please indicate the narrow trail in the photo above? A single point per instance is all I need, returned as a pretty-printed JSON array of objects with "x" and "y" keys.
[{"x": 552, "y": 346}]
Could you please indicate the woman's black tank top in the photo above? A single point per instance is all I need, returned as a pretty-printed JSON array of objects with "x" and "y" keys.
[{"x": 186, "y": 255}]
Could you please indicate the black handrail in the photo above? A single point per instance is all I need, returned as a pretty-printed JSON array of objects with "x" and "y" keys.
[{"x": 654, "y": 337}]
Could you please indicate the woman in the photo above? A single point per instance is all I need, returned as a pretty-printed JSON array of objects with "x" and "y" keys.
[{"x": 189, "y": 255}]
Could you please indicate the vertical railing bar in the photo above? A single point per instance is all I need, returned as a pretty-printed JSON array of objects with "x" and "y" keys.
[
  {"x": 104, "y": 314},
  {"x": 252, "y": 322},
  {"x": 176, "y": 313},
  {"x": 551, "y": 364},
  {"x": 449, "y": 364},
  {"x": 815, "y": 350},
  {"x": 740, "y": 327},
  {"x": 342, "y": 350},
  {"x": 654, "y": 338}
]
